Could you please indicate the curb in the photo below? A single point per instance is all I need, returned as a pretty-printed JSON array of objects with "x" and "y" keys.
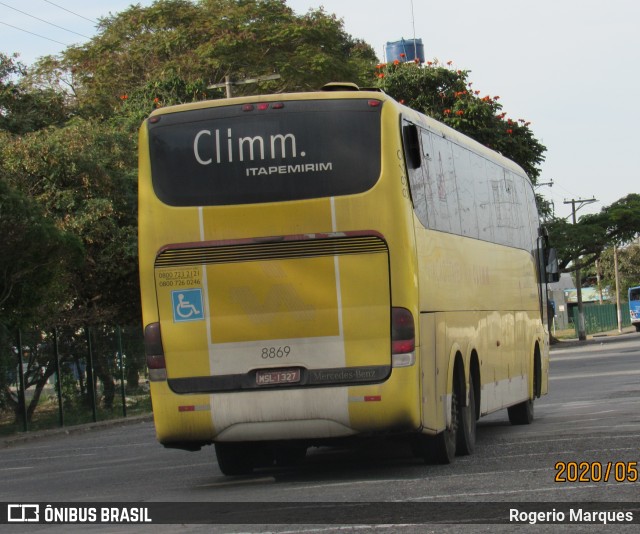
[
  {"x": 22, "y": 437},
  {"x": 592, "y": 339}
]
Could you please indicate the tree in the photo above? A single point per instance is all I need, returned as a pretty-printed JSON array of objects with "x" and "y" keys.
[
  {"x": 616, "y": 224},
  {"x": 628, "y": 268},
  {"x": 23, "y": 108},
  {"x": 83, "y": 178},
  {"x": 193, "y": 45},
  {"x": 35, "y": 257},
  {"x": 35, "y": 253},
  {"x": 446, "y": 95}
]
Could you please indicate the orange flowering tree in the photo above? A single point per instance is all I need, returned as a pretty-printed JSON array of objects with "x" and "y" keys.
[{"x": 446, "y": 94}]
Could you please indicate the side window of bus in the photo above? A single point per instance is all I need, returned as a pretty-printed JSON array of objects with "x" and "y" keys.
[
  {"x": 411, "y": 145},
  {"x": 465, "y": 194},
  {"x": 428, "y": 178},
  {"x": 441, "y": 189},
  {"x": 446, "y": 197},
  {"x": 455, "y": 190},
  {"x": 411, "y": 141}
]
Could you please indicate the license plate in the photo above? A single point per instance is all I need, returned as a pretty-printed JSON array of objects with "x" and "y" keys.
[{"x": 269, "y": 377}]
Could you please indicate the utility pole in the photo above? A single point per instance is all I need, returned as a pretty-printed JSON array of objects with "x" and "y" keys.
[
  {"x": 549, "y": 202},
  {"x": 229, "y": 83},
  {"x": 581, "y": 326}
]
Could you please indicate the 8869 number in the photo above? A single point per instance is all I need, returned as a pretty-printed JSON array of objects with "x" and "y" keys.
[{"x": 271, "y": 353}]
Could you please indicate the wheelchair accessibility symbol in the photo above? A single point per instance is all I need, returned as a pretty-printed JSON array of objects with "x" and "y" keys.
[{"x": 187, "y": 305}]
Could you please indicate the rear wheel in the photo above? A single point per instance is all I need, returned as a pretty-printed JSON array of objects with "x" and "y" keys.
[
  {"x": 441, "y": 448},
  {"x": 242, "y": 458},
  {"x": 522, "y": 413},
  {"x": 466, "y": 438}
]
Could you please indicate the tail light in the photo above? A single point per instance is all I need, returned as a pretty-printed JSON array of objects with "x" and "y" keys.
[
  {"x": 154, "y": 352},
  {"x": 403, "y": 338},
  {"x": 262, "y": 106}
]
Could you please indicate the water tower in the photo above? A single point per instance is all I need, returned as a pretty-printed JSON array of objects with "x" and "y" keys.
[{"x": 405, "y": 50}]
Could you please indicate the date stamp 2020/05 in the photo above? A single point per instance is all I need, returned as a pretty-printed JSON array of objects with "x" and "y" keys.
[{"x": 596, "y": 472}]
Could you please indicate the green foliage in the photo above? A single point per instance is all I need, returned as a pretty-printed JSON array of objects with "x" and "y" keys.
[
  {"x": 446, "y": 95},
  {"x": 173, "y": 49},
  {"x": 139, "y": 103},
  {"x": 617, "y": 224},
  {"x": 82, "y": 178},
  {"x": 25, "y": 109},
  {"x": 35, "y": 255},
  {"x": 628, "y": 268}
]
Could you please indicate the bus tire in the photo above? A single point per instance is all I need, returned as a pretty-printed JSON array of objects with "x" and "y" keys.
[
  {"x": 441, "y": 448},
  {"x": 466, "y": 436},
  {"x": 521, "y": 414},
  {"x": 235, "y": 458},
  {"x": 637, "y": 325},
  {"x": 445, "y": 443}
]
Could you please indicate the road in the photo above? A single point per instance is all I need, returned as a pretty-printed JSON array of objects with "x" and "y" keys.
[{"x": 592, "y": 414}]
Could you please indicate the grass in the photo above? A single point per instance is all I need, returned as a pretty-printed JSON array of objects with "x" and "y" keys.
[{"x": 569, "y": 333}]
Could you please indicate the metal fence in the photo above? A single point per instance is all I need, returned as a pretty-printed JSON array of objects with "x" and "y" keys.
[
  {"x": 68, "y": 376},
  {"x": 602, "y": 317}
]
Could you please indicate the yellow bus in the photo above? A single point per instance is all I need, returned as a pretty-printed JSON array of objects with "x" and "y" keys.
[{"x": 332, "y": 264}]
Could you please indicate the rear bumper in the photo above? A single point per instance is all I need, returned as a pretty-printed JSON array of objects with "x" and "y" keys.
[{"x": 392, "y": 406}]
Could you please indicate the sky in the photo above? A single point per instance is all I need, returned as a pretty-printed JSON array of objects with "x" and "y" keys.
[{"x": 570, "y": 67}]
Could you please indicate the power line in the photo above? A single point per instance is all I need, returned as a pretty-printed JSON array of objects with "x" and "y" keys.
[
  {"x": 45, "y": 21},
  {"x": 69, "y": 11},
  {"x": 36, "y": 34}
]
